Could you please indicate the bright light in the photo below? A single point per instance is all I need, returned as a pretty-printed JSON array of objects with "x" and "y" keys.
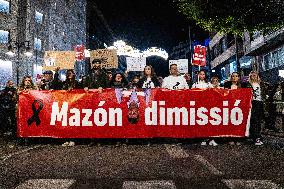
[
  {"x": 123, "y": 49},
  {"x": 154, "y": 51},
  {"x": 28, "y": 54},
  {"x": 10, "y": 53}
]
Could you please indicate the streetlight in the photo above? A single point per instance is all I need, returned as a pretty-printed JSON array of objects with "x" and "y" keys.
[{"x": 18, "y": 46}]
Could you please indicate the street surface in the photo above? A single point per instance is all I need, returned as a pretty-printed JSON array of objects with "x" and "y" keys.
[{"x": 160, "y": 165}]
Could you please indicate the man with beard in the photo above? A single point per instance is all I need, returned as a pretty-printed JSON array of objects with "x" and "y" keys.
[{"x": 97, "y": 78}]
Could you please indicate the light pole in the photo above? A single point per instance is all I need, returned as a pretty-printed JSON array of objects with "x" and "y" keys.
[{"x": 18, "y": 47}]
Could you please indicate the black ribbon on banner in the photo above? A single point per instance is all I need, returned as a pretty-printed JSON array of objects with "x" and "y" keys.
[{"x": 35, "y": 116}]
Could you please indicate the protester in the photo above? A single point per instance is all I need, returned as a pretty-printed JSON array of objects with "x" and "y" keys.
[
  {"x": 26, "y": 84},
  {"x": 201, "y": 81},
  {"x": 174, "y": 81},
  {"x": 8, "y": 101},
  {"x": 119, "y": 81},
  {"x": 149, "y": 79},
  {"x": 234, "y": 83},
  {"x": 71, "y": 82},
  {"x": 259, "y": 95},
  {"x": 188, "y": 79},
  {"x": 97, "y": 78},
  {"x": 215, "y": 82},
  {"x": 49, "y": 81},
  {"x": 134, "y": 83},
  {"x": 203, "y": 84}
]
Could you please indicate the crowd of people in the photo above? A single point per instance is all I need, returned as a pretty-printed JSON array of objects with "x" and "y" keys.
[{"x": 266, "y": 102}]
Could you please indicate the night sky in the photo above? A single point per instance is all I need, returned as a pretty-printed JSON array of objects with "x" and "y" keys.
[{"x": 147, "y": 23}]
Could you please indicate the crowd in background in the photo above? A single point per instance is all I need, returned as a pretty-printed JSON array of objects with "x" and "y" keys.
[{"x": 267, "y": 101}]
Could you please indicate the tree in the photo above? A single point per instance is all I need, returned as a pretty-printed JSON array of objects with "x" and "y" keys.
[{"x": 234, "y": 16}]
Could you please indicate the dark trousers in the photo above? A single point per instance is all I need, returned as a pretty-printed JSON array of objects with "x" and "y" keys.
[{"x": 256, "y": 119}]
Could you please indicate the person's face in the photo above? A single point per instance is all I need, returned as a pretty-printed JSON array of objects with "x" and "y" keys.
[
  {"x": 47, "y": 77},
  {"x": 118, "y": 78},
  {"x": 10, "y": 84},
  {"x": 254, "y": 76},
  {"x": 133, "y": 110},
  {"x": 174, "y": 70},
  {"x": 235, "y": 77},
  {"x": 96, "y": 66},
  {"x": 109, "y": 76},
  {"x": 187, "y": 77},
  {"x": 28, "y": 81},
  {"x": 215, "y": 81},
  {"x": 70, "y": 75},
  {"x": 147, "y": 70},
  {"x": 135, "y": 80},
  {"x": 201, "y": 76}
]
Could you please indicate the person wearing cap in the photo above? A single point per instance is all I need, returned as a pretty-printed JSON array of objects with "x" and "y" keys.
[{"x": 49, "y": 82}]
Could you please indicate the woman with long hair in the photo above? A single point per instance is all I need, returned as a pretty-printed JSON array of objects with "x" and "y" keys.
[
  {"x": 26, "y": 84},
  {"x": 234, "y": 82},
  {"x": 119, "y": 81},
  {"x": 202, "y": 81},
  {"x": 259, "y": 96},
  {"x": 149, "y": 79}
]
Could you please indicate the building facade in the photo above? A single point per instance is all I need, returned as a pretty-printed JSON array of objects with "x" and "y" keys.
[
  {"x": 42, "y": 26},
  {"x": 260, "y": 51}
]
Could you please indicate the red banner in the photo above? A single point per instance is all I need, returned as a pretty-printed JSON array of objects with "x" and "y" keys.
[
  {"x": 199, "y": 56},
  {"x": 79, "y": 52},
  {"x": 181, "y": 113}
]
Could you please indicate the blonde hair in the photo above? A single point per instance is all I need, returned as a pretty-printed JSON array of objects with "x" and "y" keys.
[{"x": 250, "y": 77}]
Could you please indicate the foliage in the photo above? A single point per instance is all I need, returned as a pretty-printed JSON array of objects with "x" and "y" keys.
[{"x": 234, "y": 16}]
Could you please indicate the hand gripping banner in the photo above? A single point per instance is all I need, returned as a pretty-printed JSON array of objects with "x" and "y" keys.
[{"x": 117, "y": 113}]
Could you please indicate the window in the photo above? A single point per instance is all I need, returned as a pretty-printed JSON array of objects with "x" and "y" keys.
[
  {"x": 4, "y": 6},
  {"x": 37, "y": 44},
  {"x": 38, "y": 17},
  {"x": 4, "y": 37}
]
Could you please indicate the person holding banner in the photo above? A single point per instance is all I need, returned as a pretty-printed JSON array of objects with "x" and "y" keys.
[
  {"x": 149, "y": 79},
  {"x": 234, "y": 83},
  {"x": 70, "y": 82},
  {"x": 50, "y": 82},
  {"x": 119, "y": 81},
  {"x": 201, "y": 81},
  {"x": 97, "y": 78},
  {"x": 215, "y": 82},
  {"x": 203, "y": 84},
  {"x": 174, "y": 81},
  {"x": 26, "y": 84}
]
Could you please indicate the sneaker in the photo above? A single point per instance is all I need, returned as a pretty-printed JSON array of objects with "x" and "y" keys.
[
  {"x": 203, "y": 143},
  {"x": 213, "y": 143},
  {"x": 238, "y": 143},
  {"x": 65, "y": 144},
  {"x": 258, "y": 142},
  {"x": 71, "y": 143},
  {"x": 232, "y": 143}
]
